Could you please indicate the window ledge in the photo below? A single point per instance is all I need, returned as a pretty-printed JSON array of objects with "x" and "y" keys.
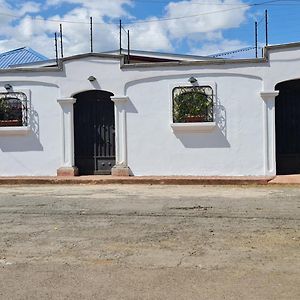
[
  {"x": 200, "y": 127},
  {"x": 14, "y": 130}
]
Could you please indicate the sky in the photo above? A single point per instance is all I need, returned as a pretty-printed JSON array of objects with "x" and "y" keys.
[{"x": 198, "y": 27}]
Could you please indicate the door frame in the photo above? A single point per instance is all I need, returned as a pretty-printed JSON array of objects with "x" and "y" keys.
[{"x": 67, "y": 167}]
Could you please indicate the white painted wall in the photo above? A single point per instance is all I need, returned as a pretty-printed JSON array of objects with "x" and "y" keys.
[
  {"x": 231, "y": 148},
  {"x": 237, "y": 146},
  {"x": 38, "y": 152}
]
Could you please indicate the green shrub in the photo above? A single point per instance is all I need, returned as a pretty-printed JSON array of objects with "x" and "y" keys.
[{"x": 191, "y": 102}]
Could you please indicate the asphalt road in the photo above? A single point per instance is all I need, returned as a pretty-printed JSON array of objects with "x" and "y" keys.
[{"x": 149, "y": 242}]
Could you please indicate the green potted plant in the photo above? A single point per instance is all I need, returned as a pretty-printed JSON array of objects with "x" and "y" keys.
[
  {"x": 192, "y": 105},
  {"x": 8, "y": 115}
]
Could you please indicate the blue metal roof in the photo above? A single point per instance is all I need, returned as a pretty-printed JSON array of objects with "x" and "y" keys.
[
  {"x": 20, "y": 56},
  {"x": 248, "y": 52}
]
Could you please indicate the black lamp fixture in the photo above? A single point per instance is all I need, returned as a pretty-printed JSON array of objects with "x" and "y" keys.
[
  {"x": 92, "y": 78},
  {"x": 8, "y": 87},
  {"x": 192, "y": 80}
]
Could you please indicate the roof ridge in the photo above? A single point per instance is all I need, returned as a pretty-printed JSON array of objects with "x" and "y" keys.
[
  {"x": 11, "y": 51},
  {"x": 36, "y": 53}
]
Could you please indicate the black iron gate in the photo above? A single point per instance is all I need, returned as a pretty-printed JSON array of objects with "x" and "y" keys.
[
  {"x": 94, "y": 132},
  {"x": 287, "y": 110}
]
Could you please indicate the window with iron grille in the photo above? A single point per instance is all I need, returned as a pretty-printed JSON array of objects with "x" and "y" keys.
[
  {"x": 13, "y": 109},
  {"x": 192, "y": 104}
]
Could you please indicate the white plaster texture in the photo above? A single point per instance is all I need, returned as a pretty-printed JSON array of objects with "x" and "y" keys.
[
  {"x": 239, "y": 144},
  {"x": 37, "y": 152}
]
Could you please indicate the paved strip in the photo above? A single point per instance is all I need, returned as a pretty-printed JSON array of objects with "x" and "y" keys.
[{"x": 154, "y": 180}]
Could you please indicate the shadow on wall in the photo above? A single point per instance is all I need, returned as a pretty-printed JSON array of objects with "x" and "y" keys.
[
  {"x": 130, "y": 108},
  {"x": 33, "y": 121},
  {"x": 212, "y": 139},
  {"x": 220, "y": 117},
  {"x": 16, "y": 143},
  {"x": 29, "y": 142},
  {"x": 216, "y": 138},
  {"x": 95, "y": 84}
]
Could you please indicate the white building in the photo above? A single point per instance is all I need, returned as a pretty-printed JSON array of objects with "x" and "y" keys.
[{"x": 153, "y": 116}]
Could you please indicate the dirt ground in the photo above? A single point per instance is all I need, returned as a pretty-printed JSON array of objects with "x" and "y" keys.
[{"x": 149, "y": 242}]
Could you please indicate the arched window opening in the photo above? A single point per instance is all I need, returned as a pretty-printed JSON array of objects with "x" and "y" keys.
[{"x": 13, "y": 109}]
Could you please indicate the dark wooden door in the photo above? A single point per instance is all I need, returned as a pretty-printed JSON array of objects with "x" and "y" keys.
[
  {"x": 94, "y": 132},
  {"x": 287, "y": 111}
]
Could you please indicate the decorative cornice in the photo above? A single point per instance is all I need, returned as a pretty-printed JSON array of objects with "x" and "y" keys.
[
  {"x": 266, "y": 95},
  {"x": 63, "y": 101},
  {"x": 119, "y": 99}
]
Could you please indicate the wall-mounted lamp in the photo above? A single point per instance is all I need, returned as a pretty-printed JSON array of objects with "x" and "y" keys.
[
  {"x": 192, "y": 80},
  {"x": 92, "y": 78},
  {"x": 8, "y": 87}
]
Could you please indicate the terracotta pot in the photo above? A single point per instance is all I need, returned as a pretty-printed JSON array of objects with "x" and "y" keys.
[
  {"x": 6, "y": 123},
  {"x": 195, "y": 119}
]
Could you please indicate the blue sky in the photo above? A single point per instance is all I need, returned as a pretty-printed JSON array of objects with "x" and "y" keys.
[{"x": 193, "y": 26}]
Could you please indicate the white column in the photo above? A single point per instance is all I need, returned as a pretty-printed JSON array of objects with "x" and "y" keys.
[
  {"x": 67, "y": 125},
  {"x": 269, "y": 130},
  {"x": 121, "y": 168}
]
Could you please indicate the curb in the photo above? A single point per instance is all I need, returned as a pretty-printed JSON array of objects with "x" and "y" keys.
[{"x": 136, "y": 180}]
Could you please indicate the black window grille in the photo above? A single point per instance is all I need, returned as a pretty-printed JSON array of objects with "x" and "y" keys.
[
  {"x": 192, "y": 104},
  {"x": 13, "y": 109}
]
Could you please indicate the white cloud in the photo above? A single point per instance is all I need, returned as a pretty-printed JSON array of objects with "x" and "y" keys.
[
  {"x": 38, "y": 34},
  {"x": 205, "y": 29},
  {"x": 28, "y": 7},
  {"x": 5, "y": 10},
  {"x": 207, "y": 20},
  {"x": 203, "y": 25},
  {"x": 220, "y": 46},
  {"x": 150, "y": 36},
  {"x": 109, "y": 8}
]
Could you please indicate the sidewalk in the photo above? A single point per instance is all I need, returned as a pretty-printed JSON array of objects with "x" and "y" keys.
[
  {"x": 157, "y": 180},
  {"x": 286, "y": 179}
]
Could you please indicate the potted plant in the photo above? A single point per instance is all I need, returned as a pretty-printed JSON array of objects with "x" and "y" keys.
[
  {"x": 192, "y": 105},
  {"x": 10, "y": 115}
]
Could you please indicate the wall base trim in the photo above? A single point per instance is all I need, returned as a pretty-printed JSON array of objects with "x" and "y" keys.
[
  {"x": 119, "y": 170},
  {"x": 67, "y": 171}
]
